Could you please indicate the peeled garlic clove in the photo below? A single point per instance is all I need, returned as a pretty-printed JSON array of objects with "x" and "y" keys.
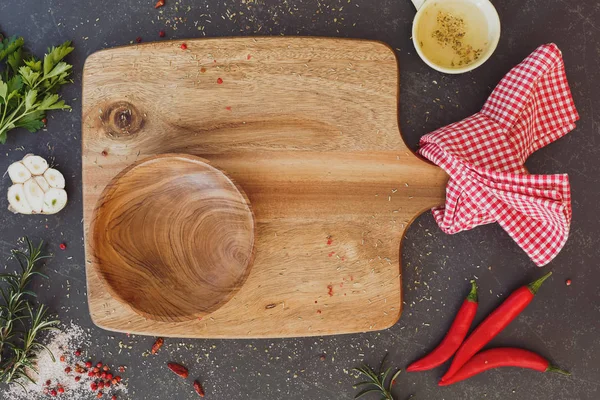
[
  {"x": 34, "y": 195},
  {"x": 54, "y": 201},
  {"x": 35, "y": 164},
  {"x": 55, "y": 178},
  {"x": 17, "y": 200},
  {"x": 18, "y": 173}
]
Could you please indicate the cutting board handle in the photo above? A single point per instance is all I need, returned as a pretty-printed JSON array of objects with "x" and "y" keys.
[{"x": 418, "y": 3}]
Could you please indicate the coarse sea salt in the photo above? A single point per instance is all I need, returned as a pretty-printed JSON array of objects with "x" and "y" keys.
[{"x": 63, "y": 342}]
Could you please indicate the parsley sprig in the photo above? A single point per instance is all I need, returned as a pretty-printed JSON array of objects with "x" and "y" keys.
[{"x": 28, "y": 85}]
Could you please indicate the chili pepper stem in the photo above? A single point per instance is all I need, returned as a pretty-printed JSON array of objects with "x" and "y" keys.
[
  {"x": 472, "y": 297},
  {"x": 552, "y": 368},
  {"x": 535, "y": 285}
]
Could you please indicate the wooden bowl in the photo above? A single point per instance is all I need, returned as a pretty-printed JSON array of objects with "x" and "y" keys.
[{"x": 172, "y": 237}]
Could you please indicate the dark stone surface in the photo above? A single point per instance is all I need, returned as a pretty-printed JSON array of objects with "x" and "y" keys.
[{"x": 563, "y": 323}]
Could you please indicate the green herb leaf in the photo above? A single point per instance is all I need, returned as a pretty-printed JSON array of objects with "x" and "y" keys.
[
  {"x": 3, "y": 90},
  {"x": 59, "y": 69},
  {"x": 30, "y": 99},
  {"x": 15, "y": 84},
  {"x": 9, "y": 45},
  {"x": 32, "y": 122},
  {"x": 15, "y": 59},
  {"x": 55, "y": 54},
  {"x": 34, "y": 64},
  {"x": 29, "y": 76}
]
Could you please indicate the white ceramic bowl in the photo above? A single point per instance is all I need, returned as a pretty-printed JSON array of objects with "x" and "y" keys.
[{"x": 493, "y": 25}]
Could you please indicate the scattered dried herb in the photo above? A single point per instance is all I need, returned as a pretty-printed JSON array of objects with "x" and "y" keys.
[
  {"x": 28, "y": 86},
  {"x": 376, "y": 381},
  {"x": 18, "y": 349}
]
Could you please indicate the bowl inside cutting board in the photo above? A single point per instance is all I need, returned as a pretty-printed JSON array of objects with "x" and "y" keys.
[{"x": 173, "y": 237}]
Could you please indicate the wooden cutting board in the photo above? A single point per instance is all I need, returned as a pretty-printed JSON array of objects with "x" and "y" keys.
[{"x": 308, "y": 127}]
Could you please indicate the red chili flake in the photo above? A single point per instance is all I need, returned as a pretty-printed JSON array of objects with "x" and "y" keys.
[
  {"x": 249, "y": 56},
  {"x": 78, "y": 351},
  {"x": 94, "y": 386},
  {"x": 96, "y": 369},
  {"x": 45, "y": 390},
  {"x": 393, "y": 382},
  {"x": 91, "y": 373},
  {"x": 88, "y": 364},
  {"x": 109, "y": 376},
  {"x": 99, "y": 365},
  {"x": 61, "y": 389},
  {"x": 330, "y": 290},
  {"x": 114, "y": 397},
  {"x": 53, "y": 393},
  {"x": 329, "y": 241},
  {"x": 342, "y": 284},
  {"x": 99, "y": 395},
  {"x": 77, "y": 378},
  {"x": 316, "y": 301},
  {"x": 161, "y": 33},
  {"x": 62, "y": 358},
  {"x": 103, "y": 375},
  {"x": 105, "y": 368},
  {"x": 215, "y": 61},
  {"x": 198, "y": 388},
  {"x": 343, "y": 258},
  {"x": 203, "y": 70},
  {"x": 157, "y": 345},
  {"x": 331, "y": 254},
  {"x": 183, "y": 46},
  {"x": 101, "y": 385},
  {"x": 178, "y": 369},
  {"x": 219, "y": 81},
  {"x": 568, "y": 282},
  {"x": 48, "y": 382},
  {"x": 107, "y": 384},
  {"x": 104, "y": 153},
  {"x": 322, "y": 358},
  {"x": 62, "y": 246},
  {"x": 199, "y": 318},
  {"x": 138, "y": 39},
  {"x": 121, "y": 369},
  {"x": 228, "y": 108},
  {"x": 318, "y": 311},
  {"x": 44, "y": 121},
  {"x": 159, "y": 3},
  {"x": 118, "y": 378},
  {"x": 68, "y": 370}
]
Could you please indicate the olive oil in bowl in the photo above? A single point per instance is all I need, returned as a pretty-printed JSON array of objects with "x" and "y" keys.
[{"x": 452, "y": 34}]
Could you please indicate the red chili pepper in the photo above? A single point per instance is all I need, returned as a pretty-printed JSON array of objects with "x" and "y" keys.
[
  {"x": 454, "y": 338},
  {"x": 502, "y": 357},
  {"x": 199, "y": 389},
  {"x": 494, "y": 324}
]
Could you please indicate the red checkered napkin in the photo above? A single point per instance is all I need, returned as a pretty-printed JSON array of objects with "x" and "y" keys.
[{"x": 484, "y": 155}]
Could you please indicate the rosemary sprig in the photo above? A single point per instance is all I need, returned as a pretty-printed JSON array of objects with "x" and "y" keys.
[
  {"x": 375, "y": 382},
  {"x": 18, "y": 348}
]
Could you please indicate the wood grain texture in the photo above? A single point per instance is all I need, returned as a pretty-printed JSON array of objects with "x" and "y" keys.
[
  {"x": 168, "y": 229},
  {"x": 308, "y": 128}
]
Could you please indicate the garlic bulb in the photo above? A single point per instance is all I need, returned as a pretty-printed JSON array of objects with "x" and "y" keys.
[{"x": 36, "y": 188}]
